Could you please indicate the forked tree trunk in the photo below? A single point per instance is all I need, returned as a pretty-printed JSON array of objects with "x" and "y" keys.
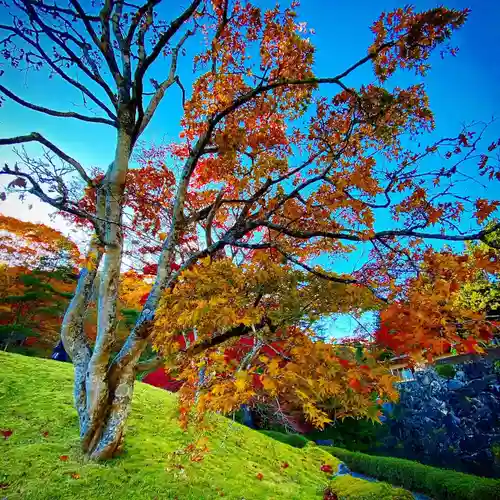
[
  {"x": 105, "y": 437},
  {"x": 103, "y": 386}
]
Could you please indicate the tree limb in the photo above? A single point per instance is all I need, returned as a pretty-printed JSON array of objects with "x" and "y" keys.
[
  {"x": 237, "y": 331},
  {"x": 303, "y": 234},
  {"x": 162, "y": 42},
  {"x": 143, "y": 119},
  {"x": 35, "y": 18},
  {"x": 82, "y": 88},
  {"x": 61, "y": 10},
  {"x": 52, "y": 112},
  {"x": 36, "y": 137},
  {"x": 104, "y": 45}
]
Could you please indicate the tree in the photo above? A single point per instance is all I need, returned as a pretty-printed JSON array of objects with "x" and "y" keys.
[
  {"x": 448, "y": 305},
  {"x": 32, "y": 304},
  {"x": 267, "y": 165},
  {"x": 482, "y": 293},
  {"x": 37, "y": 280}
]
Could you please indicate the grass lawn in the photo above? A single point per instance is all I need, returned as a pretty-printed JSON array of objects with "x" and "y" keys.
[{"x": 41, "y": 458}]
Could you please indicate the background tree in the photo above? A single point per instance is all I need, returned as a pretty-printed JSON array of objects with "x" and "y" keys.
[
  {"x": 37, "y": 276},
  {"x": 266, "y": 162}
]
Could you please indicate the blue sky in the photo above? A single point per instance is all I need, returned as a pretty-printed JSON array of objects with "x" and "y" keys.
[{"x": 461, "y": 89}]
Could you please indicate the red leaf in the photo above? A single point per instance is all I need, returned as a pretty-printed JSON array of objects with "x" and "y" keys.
[
  {"x": 45, "y": 434},
  {"x": 18, "y": 182},
  {"x": 326, "y": 468},
  {"x": 329, "y": 495},
  {"x": 259, "y": 476},
  {"x": 285, "y": 465},
  {"x": 6, "y": 433},
  {"x": 344, "y": 363},
  {"x": 143, "y": 299},
  {"x": 63, "y": 458},
  {"x": 257, "y": 381},
  {"x": 355, "y": 384},
  {"x": 74, "y": 475},
  {"x": 150, "y": 269}
]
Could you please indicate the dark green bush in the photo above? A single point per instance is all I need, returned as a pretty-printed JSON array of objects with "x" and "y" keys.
[
  {"x": 445, "y": 371},
  {"x": 438, "y": 483},
  {"x": 352, "y": 434},
  {"x": 295, "y": 440}
]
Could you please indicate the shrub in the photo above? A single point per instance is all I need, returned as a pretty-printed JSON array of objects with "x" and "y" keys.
[
  {"x": 446, "y": 371},
  {"x": 348, "y": 487},
  {"x": 438, "y": 483},
  {"x": 295, "y": 440},
  {"x": 353, "y": 434}
]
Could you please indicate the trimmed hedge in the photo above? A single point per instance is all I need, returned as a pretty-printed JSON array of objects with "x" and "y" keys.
[
  {"x": 348, "y": 487},
  {"x": 438, "y": 483},
  {"x": 295, "y": 440}
]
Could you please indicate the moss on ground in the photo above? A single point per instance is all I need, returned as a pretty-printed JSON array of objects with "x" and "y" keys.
[
  {"x": 36, "y": 404},
  {"x": 350, "y": 488}
]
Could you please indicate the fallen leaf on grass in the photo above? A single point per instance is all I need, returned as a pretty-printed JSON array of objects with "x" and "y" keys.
[
  {"x": 259, "y": 476},
  {"x": 63, "y": 458},
  {"x": 74, "y": 475},
  {"x": 6, "y": 433},
  {"x": 327, "y": 468}
]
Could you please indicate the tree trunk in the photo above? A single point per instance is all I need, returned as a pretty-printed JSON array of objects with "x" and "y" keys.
[{"x": 106, "y": 438}]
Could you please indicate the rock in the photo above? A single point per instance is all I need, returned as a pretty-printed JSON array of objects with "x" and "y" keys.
[
  {"x": 474, "y": 370},
  {"x": 448, "y": 423},
  {"x": 342, "y": 469},
  {"x": 435, "y": 387},
  {"x": 324, "y": 442},
  {"x": 477, "y": 386},
  {"x": 453, "y": 385}
]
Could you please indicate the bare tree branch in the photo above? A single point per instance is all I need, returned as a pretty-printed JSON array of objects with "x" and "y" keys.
[
  {"x": 36, "y": 137},
  {"x": 49, "y": 32},
  {"x": 60, "y": 203},
  {"x": 210, "y": 218},
  {"x": 104, "y": 45},
  {"x": 144, "y": 118},
  {"x": 53, "y": 112},
  {"x": 165, "y": 39},
  {"x": 58, "y": 9},
  {"x": 295, "y": 233},
  {"x": 45, "y": 57}
]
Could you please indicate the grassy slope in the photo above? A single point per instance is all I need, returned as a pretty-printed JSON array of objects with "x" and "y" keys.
[{"x": 36, "y": 398}]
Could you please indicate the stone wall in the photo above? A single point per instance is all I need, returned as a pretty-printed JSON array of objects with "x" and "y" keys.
[{"x": 450, "y": 423}]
